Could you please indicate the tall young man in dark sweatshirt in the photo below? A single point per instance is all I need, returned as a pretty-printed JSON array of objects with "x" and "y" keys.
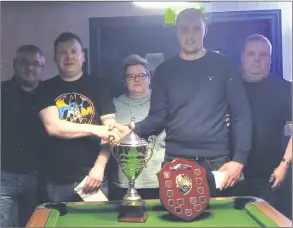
[{"x": 191, "y": 93}]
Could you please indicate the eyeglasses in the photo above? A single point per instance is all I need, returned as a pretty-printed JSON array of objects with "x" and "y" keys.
[
  {"x": 132, "y": 77},
  {"x": 35, "y": 65}
]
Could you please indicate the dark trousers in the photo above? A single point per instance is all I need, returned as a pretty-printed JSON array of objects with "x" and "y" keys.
[
  {"x": 61, "y": 192},
  {"x": 210, "y": 164},
  {"x": 145, "y": 193},
  {"x": 18, "y": 198}
]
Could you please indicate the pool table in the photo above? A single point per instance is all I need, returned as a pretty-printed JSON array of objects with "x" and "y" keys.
[{"x": 222, "y": 212}]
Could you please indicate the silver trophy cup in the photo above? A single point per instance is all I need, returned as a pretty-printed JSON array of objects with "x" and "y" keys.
[{"x": 132, "y": 153}]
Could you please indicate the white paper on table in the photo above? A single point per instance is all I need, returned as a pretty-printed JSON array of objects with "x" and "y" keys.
[
  {"x": 219, "y": 177},
  {"x": 92, "y": 196}
]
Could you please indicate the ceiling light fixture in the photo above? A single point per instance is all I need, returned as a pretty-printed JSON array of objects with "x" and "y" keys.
[{"x": 161, "y": 5}]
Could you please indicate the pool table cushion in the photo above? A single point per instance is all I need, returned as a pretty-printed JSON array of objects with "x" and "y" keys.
[{"x": 221, "y": 212}]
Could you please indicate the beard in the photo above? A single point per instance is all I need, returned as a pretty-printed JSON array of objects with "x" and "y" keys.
[{"x": 25, "y": 82}]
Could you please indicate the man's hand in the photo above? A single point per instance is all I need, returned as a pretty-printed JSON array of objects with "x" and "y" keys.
[
  {"x": 278, "y": 176},
  {"x": 122, "y": 129},
  {"x": 233, "y": 173},
  {"x": 105, "y": 132},
  {"x": 95, "y": 178}
]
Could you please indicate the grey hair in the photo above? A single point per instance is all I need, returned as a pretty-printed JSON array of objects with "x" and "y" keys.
[
  {"x": 29, "y": 48},
  {"x": 133, "y": 60},
  {"x": 258, "y": 37}
]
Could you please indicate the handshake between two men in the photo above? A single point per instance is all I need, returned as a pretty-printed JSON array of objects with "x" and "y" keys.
[
  {"x": 114, "y": 132},
  {"x": 110, "y": 132}
]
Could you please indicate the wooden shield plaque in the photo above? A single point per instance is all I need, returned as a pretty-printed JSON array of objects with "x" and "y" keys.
[{"x": 184, "y": 189}]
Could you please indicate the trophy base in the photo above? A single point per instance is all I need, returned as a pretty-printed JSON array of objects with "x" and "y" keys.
[{"x": 129, "y": 213}]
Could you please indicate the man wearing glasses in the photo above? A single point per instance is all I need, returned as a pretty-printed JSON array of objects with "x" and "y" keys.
[
  {"x": 22, "y": 132},
  {"x": 135, "y": 103}
]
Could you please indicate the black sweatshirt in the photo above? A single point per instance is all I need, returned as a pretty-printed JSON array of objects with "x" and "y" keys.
[
  {"x": 22, "y": 130},
  {"x": 190, "y": 100},
  {"x": 271, "y": 106}
]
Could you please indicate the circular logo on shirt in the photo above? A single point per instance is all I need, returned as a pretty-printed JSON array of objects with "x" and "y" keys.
[{"x": 75, "y": 108}]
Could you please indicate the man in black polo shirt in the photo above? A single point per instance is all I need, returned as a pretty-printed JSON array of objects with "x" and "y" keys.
[
  {"x": 21, "y": 136},
  {"x": 271, "y": 103},
  {"x": 190, "y": 95},
  {"x": 72, "y": 107}
]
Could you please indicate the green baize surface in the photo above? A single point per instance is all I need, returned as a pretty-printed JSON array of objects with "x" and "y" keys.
[{"x": 221, "y": 213}]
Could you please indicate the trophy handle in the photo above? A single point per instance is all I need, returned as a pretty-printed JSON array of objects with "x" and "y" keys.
[
  {"x": 112, "y": 146},
  {"x": 111, "y": 138},
  {"x": 151, "y": 145}
]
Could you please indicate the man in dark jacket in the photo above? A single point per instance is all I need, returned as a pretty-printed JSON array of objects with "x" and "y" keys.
[
  {"x": 271, "y": 103},
  {"x": 21, "y": 136}
]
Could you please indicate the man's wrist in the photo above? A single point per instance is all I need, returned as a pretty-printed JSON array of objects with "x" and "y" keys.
[
  {"x": 238, "y": 162},
  {"x": 100, "y": 164},
  {"x": 240, "y": 158},
  {"x": 108, "y": 119},
  {"x": 286, "y": 163},
  {"x": 91, "y": 129},
  {"x": 103, "y": 157}
]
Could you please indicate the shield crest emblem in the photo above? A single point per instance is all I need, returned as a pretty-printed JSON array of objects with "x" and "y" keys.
[{"x": 184, "y": 189}]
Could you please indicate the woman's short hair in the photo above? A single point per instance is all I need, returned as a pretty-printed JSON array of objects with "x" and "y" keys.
[{"x": 133, "y": 60}]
